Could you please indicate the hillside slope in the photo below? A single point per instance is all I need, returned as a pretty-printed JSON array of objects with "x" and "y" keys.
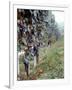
[{"x": 51, "y": 62}]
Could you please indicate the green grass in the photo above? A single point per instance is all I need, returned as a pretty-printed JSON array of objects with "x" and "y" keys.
[{"x": 51, "y": 62}]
